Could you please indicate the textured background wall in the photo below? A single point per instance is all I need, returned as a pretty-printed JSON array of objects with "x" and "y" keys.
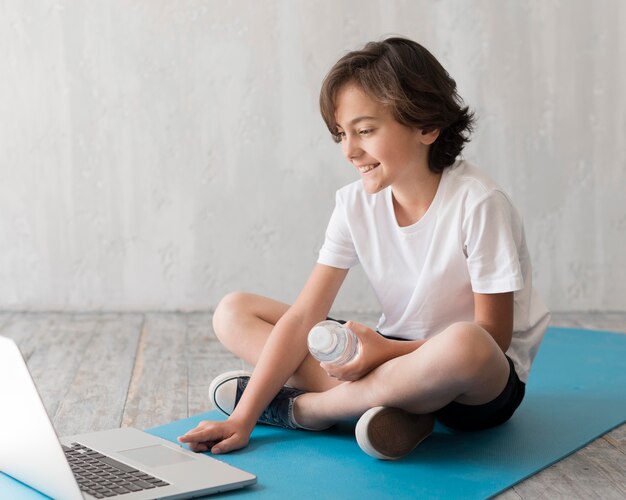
[{"x": 157, "y": 154}]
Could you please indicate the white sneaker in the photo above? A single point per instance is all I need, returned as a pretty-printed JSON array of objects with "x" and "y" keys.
[
  {"x": 223, "y": 390},
  {"x": 391, "y": 433},
  {"x": 226, "y": 390}
]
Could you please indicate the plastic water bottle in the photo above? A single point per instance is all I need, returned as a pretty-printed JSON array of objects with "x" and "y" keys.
[{"x": 333, "y": 343}]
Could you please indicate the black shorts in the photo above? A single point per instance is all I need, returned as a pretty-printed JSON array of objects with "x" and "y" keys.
[
  {"x": 478, "y": 417},
  {"x": 475, "y": 418}
]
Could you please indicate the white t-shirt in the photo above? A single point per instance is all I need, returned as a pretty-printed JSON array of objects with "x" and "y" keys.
[{"x": 471, "y": 239}]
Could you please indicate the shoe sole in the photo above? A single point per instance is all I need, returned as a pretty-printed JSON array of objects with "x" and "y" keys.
[
  {"x": 221, "y": 379},
  {"x": 392, "y": 433}
]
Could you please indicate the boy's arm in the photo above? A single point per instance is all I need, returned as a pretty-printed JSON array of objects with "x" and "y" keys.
[
  {"x": 286, "y": 346},
  {"x": 494, "y": 312}
]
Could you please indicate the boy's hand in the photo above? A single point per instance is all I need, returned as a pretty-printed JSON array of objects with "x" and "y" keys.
[
  {"x": 217, "y": 437},
  {"x": 373, "y": 353}
]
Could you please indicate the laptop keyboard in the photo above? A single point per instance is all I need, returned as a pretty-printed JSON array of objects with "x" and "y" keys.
[{"x": 104, "y": 477}]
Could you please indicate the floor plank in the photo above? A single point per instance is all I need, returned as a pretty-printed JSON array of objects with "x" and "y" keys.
[
  {"x": 97, "y": 396},
  {"x": 159, "y": 383},
  {"x": 617, "y": 438},
  {"x": 53, "y": 346}
]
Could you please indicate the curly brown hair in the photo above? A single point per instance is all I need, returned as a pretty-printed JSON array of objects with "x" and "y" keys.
[{"x": 405, "y": 76}]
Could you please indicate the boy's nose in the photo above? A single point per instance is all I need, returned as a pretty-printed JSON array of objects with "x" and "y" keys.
[{"x": 351, "y": 149}]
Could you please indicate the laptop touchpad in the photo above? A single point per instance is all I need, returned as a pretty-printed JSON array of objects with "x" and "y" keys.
[{"x": 156, "y": 455}]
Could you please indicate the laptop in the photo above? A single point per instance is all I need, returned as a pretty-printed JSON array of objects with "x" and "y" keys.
[{"x": 120, "y": 463}]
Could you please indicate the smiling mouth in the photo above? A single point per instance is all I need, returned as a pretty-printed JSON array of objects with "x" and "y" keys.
[{"x": 367, "y": 168}]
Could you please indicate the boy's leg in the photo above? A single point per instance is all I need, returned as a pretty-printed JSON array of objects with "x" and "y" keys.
[
  {"x": 463, "y": 363},
  {"x": 244, "y": 321}
]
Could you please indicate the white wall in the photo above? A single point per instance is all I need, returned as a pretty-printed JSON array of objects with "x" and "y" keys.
[{"x": 157, "y": 154}]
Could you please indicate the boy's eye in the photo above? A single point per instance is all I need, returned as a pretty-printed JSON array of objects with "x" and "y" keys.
[{"x": 339, "y": 136}]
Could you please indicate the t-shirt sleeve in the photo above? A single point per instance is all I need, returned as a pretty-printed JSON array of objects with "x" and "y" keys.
[
  {"x": 493, "y": 233},
  {"x": 338, "y": 249}
]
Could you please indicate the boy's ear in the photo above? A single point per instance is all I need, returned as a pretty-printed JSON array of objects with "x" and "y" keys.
[{"x": 428, "y": 136}]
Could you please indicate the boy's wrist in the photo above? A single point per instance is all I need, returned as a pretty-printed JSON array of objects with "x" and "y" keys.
[{"x": 239, "y": 418}]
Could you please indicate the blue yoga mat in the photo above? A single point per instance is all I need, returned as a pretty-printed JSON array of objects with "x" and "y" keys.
[{"x": 575, "y": 394}]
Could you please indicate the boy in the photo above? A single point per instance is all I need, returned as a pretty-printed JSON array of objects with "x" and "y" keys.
[{"x": 445, "y": 252}]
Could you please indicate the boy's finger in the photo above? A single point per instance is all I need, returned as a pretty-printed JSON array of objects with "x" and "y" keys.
[
  {"x": 198, "y": 447},
  {"x": 201, "y": 426},
  {"x": 351, "y": 325},
  {"x": 204, "y": 434},
  {"x": 195, "y": 432},
  {"x": 356, "y": 328},
  {"x": 228, "y": 444}
]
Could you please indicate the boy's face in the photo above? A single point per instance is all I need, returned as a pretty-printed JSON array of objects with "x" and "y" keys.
[{"x": 385, "y": 152}]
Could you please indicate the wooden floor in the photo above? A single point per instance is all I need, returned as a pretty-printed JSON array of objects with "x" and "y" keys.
[{"x": 104, "y": 370}]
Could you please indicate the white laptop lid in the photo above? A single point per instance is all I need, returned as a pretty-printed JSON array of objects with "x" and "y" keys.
[{"x": 27, "y": 438}]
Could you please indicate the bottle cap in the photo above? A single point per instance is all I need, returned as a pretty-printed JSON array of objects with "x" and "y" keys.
[{"x": 321, "y": 339}]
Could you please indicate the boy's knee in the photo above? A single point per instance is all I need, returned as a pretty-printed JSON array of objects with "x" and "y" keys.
[
  {"x": 472, "y": 346},
  {"x": 464, "y": 333},
  {"x": 232, "y": 302},
  {"x": 228, "y": 308}
]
